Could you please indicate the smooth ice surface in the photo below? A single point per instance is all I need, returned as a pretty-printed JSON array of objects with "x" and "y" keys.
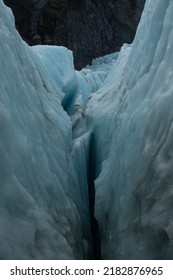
[{"x": 117, "y": 132}]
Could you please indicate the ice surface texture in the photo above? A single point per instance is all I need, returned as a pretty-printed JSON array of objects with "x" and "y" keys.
[
  {"x": 132, "y": 120},
  {"x": 38, "y": 216},
  {"x": 121, "y": 138}
]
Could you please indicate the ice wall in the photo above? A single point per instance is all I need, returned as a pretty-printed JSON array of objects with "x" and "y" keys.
[
  {"x": 43, "y": 214},
  {"x": 132, "y": 121}
]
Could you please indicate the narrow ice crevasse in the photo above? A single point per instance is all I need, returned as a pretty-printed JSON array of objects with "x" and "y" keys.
[
  {"x": 94, "y": 181},
  {"x": 75, "y": 92},
  {"x": 90, "y": 80},
  {"x": 83, "y": 149}
]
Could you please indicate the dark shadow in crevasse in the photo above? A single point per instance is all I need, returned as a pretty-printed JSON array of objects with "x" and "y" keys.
[{"x": 91, "y": 191}]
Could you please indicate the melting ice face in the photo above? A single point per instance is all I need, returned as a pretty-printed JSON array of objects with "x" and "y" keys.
[{"x": 102, "y": 172}]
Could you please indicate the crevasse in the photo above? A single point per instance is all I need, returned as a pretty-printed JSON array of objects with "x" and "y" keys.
[{"x": 86, "y": 157}]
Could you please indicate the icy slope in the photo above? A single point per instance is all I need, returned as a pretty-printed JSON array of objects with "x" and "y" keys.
[
  {"x": 39, "y": 217},
  {"x": 132, "y": 121}
]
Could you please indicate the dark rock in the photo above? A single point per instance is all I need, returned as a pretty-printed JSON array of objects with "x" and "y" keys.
[{"x": 91, "y": 28}]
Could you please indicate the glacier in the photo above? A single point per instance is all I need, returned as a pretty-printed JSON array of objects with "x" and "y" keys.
[
  {"x": 87, "y": 156},
  {"x": 39, "y": 218}
]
